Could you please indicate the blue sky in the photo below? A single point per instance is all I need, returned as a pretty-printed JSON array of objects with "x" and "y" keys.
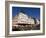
[{"x": 34, "y": 12}]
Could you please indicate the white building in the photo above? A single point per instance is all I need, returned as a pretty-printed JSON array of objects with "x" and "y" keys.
[{"x": 23, "y": 19}]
